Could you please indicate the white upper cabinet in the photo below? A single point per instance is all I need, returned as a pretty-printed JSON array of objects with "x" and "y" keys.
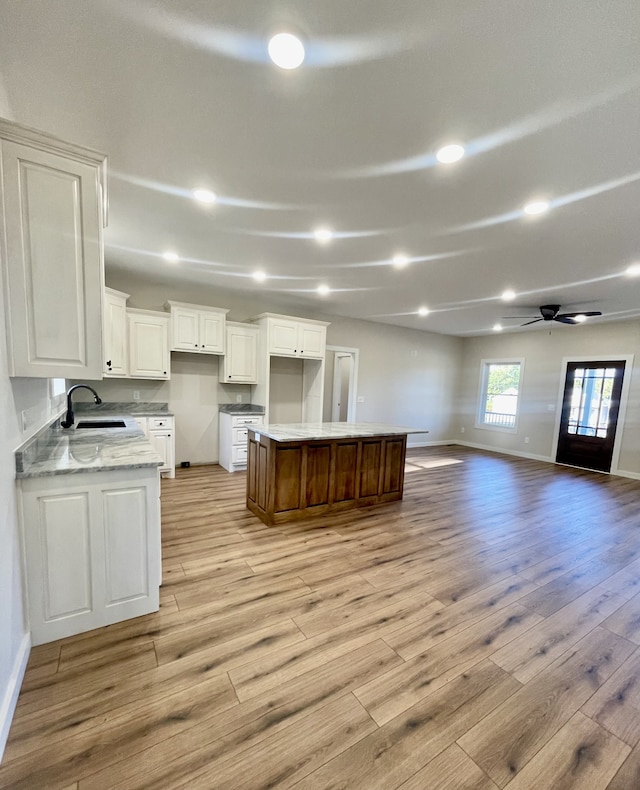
[
  {"x": 197, "y": 329},
  {"x": 53, "y": 211},
  {"x": 240, "y": 363},
  {"x": 294, "y": 337},
  {"x": 149, "y": 356},
  {"x": 115, "y": 334}
]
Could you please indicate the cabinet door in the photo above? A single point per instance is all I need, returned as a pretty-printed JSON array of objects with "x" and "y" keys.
[
  {"x": 312, "y": 340},
  {"x": 115, "y": 335},
  {"x": 212, "y": 332},
  {"x": 283, "y": 338},
  {"x": 185, "y": 329},
  {"x": 53, "y": 253},
  {"x": 240, "y": 363},
  {"x": 163, "y": 444},
  {"x": 128, "y": 575},
  {"x": 63, "y": 590},
  {"x": 148, "y": 347}
]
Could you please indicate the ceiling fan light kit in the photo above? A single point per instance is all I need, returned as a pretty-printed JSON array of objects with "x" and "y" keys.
[{"x": 551, "y": 312}]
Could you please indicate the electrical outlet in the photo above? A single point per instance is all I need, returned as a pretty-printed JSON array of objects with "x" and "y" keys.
[
  {"x": 360, "y": 398},
  {"x": 238, "y": 398},
  {"x": 526, "y": 440},
  {"x": 136, "y": 394},
  {"x": 551, "y": 407},
  {"x": 462, "y": 429}
]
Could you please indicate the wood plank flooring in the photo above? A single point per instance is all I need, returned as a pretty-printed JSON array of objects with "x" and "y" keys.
[{"x": 483, "y": 633}]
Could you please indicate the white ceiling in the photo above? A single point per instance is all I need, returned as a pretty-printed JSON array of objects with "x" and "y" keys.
[{"x": 180, "y": 94}]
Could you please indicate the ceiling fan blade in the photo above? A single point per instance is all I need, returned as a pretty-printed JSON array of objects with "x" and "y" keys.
[
  {"x": 567, "y": 319},
  {"x": 579, "y": 312},
  {"x": 535, "y": 321},
  {"x": 515, "y": 317}
]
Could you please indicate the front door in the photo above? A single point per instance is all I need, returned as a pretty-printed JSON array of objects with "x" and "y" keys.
[{"x": 590, "y": 414}]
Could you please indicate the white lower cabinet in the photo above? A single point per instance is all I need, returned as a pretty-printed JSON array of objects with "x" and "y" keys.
[
  {"x": 160, "y": 431},
  {"x": 92, "y": 549},
  {"x": 233, "y": 439}
]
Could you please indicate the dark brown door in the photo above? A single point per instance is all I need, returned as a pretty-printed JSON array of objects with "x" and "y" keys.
[{"x": 590, "y": 414}]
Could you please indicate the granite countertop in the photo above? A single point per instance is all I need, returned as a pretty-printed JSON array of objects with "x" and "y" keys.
[
  {"x": 308, "y": 431},
  {"x": 135, "y": 407},
  {"x": 59, "y": 451},
  {"x": 241, "y": 408}
]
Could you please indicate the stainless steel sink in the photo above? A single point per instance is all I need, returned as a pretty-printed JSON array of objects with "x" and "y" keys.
[{"x": 101, "y": 424}]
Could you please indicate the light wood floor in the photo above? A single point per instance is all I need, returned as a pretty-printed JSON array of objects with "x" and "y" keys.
[{"x": 483, "y": 633}]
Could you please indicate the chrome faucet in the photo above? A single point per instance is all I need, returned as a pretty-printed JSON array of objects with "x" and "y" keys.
[{"x": 68, "y": 417}]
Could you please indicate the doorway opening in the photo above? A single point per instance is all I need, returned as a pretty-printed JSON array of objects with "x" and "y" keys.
[
  {"x": 341, "y": 376},
  {"x": 591, "y": 407}
]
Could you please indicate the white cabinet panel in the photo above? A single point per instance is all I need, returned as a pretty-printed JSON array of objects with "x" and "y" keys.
[
  {"x": 240, "y": 363},
  {"x": 148, "y": 344},
  {"x": 233, "y": 439},
  {"x": 52, "y": 245},
  {"x": 283, "y": 337},
  {"x": 197, "y": 328},
  {"x": 126, "y": 539},
  {"x": 115, "y": 333},
  {"x": 161, "y": 434},
  {"x": 312, "y": 340},
  {"x": 64, "y": 552},
  {"x": 185, "y": 329},
  {"x": 212, "y": 332},
  {"x": 92, "y": 549}
]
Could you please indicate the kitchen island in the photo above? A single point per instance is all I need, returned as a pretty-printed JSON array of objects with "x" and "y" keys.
[{"x": 302, "y": 469}]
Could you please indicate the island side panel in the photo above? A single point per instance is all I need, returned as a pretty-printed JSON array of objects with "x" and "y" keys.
[{"x": 291, "y": 480}]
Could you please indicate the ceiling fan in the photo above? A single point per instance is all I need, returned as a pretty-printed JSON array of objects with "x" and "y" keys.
[{"x": 551, "y": 312}]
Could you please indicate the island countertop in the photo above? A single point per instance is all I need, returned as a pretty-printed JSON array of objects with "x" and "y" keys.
[{"x": 310, "y": 431}]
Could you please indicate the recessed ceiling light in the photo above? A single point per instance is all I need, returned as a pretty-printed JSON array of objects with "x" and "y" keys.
[
  {"x": 286, "y": 50},
  {"x": 580, "y": 318},
  {"x": 323, "y": 290},
  {"x": 204, "y": 195},
  {"x": 497, "y": 327},
  {"x": 172, "y": 257},
  {"x": 633, "y": 270},
  {"x": 400, "y": 261},
  {"x": 450, "y": 153},
  {"x": 259, "y": 276},
  {"x": 508, "y": 295},
  {"x": 536, "y": 207},
  {"x": 423, "y": 311},
  {"x": 323, "y": 235}
]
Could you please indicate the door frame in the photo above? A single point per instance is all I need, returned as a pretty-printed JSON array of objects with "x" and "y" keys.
[
  {"x": 353, "y": 390},
  {"x": 622, "y": 411}
]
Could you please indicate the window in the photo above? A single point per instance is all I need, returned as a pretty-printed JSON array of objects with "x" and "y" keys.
[{"x": 499, "y": 392}]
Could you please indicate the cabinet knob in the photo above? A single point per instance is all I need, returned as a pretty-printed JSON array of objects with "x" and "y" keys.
[
  {"x": 203, "y": 345},
  {"x": 228, "y": 377},
  {"x": 195, "y": 345},
  {"x": 165, "y": 372}
]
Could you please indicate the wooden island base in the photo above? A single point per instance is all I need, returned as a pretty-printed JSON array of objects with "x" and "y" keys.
[{"x": 287, "y": 481}]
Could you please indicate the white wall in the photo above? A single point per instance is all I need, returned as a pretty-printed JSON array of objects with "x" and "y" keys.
[{"x": 543, "y": 351}]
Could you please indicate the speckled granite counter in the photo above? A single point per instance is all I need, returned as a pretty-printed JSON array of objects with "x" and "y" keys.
[
  {"x": 135, "y": 407},
  {"x": 310, "y": 431},
  {"x": 58, "y": 451},
  {"x": 241, "y": 408}
]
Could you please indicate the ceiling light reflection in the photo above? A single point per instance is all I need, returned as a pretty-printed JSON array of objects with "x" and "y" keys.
[
  {"x": 449, "y": 154},
  {"x": 286, "y": 51}
]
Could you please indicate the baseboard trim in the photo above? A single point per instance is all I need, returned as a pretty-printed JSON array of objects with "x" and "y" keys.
[
  {"x": 13, "y": 689},
  {"x": 622, "y": 473},
  {"x": 517, "y": 453},
  {"x": 544, "y": 458},
  {"x": 440, "y": 443}
]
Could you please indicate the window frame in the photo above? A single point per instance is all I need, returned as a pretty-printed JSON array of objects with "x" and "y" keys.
[{"x": 482, "y": 394}]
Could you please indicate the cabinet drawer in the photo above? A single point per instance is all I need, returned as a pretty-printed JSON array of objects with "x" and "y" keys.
[
  {"x": 239, "y": 436},
  {"x": 239, "y": 455},
  {"x": 254, "y": 420},
  {"x": 160, "y": 422}
]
